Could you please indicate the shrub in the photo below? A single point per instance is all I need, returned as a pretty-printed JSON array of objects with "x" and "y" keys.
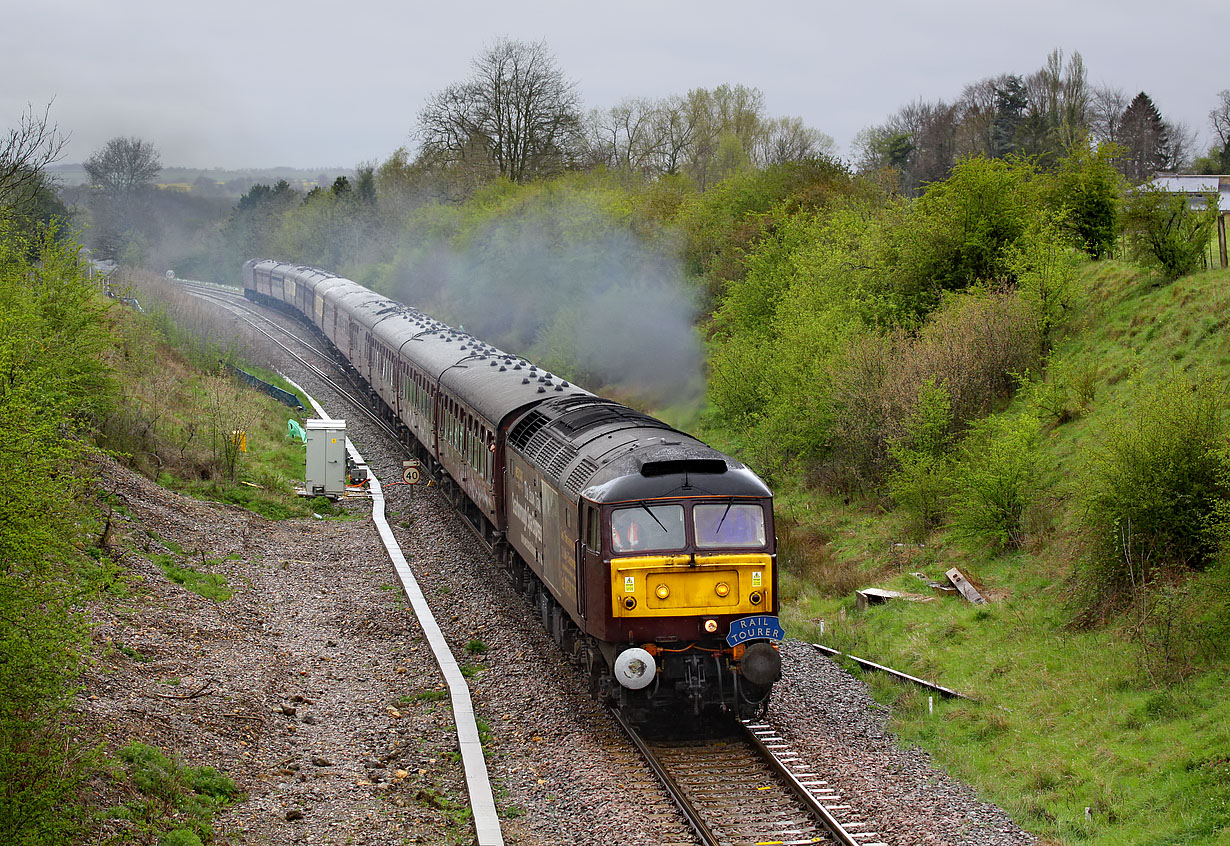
[
  {"x": 995, "y": 480},
  {"x": 1163, "y": 232},
  {"x": 971, "y": 346},
  {"x": 1157, "y": 495},
  {"x": 919, "y": 483}
]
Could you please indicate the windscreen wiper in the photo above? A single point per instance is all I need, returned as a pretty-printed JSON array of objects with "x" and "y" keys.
[{"x": 654, "y": 516}]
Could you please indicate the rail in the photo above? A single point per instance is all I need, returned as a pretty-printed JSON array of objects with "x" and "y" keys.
[{"x": 710, "y": 770}]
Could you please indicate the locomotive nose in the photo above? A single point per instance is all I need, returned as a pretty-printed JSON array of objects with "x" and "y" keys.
[{"x": 761, "y": 664}]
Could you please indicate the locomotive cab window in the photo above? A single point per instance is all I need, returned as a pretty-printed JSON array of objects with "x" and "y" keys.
[
  {"x": 648, "y": 527},
  {"x": 729, "y": 524},
  {"x": 593, "y": 534}
]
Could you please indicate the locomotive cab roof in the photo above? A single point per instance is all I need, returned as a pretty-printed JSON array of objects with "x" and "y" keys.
[{"x": 609, "y": 452}]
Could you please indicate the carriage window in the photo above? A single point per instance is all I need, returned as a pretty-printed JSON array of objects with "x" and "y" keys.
[
  {"x": 645, "y": 527},
  {"x": 729, "y": 524}
]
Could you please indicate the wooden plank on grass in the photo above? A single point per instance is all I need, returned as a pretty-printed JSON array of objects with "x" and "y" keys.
[{"x": 962, "y": 584}]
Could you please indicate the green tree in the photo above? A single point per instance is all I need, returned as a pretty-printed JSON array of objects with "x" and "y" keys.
[
  {"x": 1086, "y": 190},
  {"x": 1165, "y": 232},
  {"x": 252, "y": 225},
  {"x": 52, "y": 341},
  {"x": 1146, "y": 140},
  {"x": 1011, "y": 101}
]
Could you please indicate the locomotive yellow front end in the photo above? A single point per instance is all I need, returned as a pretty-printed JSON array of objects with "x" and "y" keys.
[{"x": 693, "y": 588}]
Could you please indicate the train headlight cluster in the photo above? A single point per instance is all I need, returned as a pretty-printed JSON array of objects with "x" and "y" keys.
[
  {"x": 722, "y": 589},
  {"x": 662, "y": 591}
]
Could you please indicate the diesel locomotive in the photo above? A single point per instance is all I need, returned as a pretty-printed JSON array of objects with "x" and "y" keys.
[{"x": 650, "y": 557}]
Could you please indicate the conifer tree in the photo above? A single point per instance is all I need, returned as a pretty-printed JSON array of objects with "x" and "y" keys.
[{"x": 1146, "y": 140}]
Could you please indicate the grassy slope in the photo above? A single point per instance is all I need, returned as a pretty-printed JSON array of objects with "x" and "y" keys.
[{"x": 1069, "y": 719}]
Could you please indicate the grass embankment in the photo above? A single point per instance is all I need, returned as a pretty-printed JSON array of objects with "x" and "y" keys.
[
  {"x": 1110, "y": 717},
  {"x": 181, "y": 411}
]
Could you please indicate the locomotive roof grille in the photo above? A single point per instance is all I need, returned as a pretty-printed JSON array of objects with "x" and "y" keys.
[
  {"x": 579, "y": 476},
  {"x": 683, "y": 465},
  {"x": 550, "y": 454},
  {"x": 590, "y": 416},
  {"x": 525, "y": 430}
]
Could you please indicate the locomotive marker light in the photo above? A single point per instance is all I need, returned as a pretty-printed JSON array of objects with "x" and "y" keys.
[
  {"x": 635, "y": 668},
  {"x": 711, "y": 626}
]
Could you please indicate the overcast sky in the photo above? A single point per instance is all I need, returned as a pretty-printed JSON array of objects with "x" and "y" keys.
[{"x": 305, "y": 83}]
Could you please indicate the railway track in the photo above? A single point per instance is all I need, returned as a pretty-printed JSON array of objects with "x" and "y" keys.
[
  {"x": 237, "y": 305},
  {"x": 746, "y": 787}
]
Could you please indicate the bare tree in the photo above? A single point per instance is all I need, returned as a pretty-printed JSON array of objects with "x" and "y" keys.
[
  {"x": 517, "y": 110},
  {"x": 675, "y": 127},
  {"x": 25, "y": 153},
  {"x": 121, "y": 177},
  {"x": 788, "y": 139},
  {"x": 1219, "y": 121},
  {"x": 1106, "y": 108},
  {"x": 1059, "y": 100},
  {"x": 918, "y": 140},
  {"x": 977, "y": 108},
  {"x": 123, "y": 166},
  {"x": 1180, "y": 144},
  {"x": 625, "y": 135}
]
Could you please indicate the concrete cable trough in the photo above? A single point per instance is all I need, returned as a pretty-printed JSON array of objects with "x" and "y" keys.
[{"x": 482, "y": 802}]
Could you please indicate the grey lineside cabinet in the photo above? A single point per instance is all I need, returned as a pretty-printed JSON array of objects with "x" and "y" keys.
[{"x": 326, "y": 458}]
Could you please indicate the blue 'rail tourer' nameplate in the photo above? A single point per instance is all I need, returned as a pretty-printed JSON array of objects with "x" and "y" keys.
[{"x": 761, "y": 627}]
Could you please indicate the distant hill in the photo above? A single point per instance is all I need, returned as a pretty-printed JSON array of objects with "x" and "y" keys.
[{"x": 218, "y": 182}]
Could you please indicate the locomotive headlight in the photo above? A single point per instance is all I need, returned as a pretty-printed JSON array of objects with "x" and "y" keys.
[
  {"x": 722, "y": 589},
  {"x": 711, "y": 626},
  {"x": 662, "y": 591}
]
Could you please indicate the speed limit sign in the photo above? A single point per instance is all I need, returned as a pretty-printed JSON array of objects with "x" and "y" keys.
[{"x": 410, "y": 471}]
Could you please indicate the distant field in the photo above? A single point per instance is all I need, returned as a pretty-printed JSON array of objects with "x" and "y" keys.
[{"x": 215, "y": 181}]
